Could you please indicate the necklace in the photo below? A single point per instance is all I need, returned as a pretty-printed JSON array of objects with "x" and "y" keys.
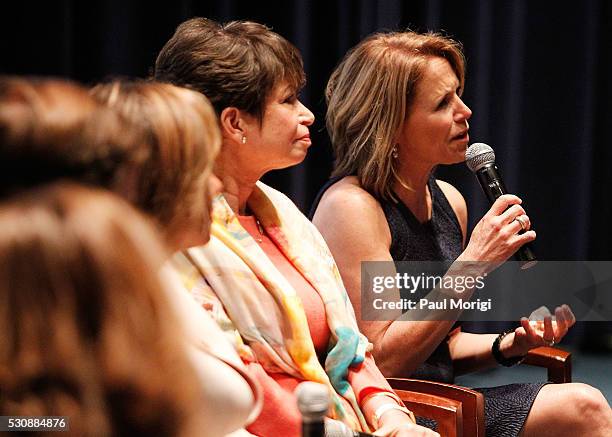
[{"x": 260, "y": 229}]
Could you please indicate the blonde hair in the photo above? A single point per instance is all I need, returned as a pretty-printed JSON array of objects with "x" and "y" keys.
[
  {"x": 87, "y": 328},
  {"x": 369, "y": 95},
  {"x": 184, "y": 138}
]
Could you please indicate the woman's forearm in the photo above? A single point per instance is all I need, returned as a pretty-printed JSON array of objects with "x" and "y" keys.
[
  {"x": 471, "y": 352},
  {"x": 405, "y": 345},
  {"x": 409, "y": 341}
]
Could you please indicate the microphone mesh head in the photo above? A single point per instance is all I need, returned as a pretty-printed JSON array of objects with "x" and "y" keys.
[
  {"x": 477, "y": 155},
  {"x": 312, "y": 399}
]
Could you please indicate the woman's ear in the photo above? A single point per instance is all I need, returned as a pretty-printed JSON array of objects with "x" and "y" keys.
[{"x": 233, "y": 124}]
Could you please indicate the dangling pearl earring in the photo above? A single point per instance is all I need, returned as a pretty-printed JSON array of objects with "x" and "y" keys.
[
  {"x": 394, "y": 152},
  {"x": 244, "y": 139}
]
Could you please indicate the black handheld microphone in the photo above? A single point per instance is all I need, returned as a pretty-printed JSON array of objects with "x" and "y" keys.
[
  {"x": 313, "y": 403},
  {"x": 480, "y": 158}
]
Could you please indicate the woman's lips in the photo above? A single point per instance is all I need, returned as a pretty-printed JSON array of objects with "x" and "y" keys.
[
  {"x": 305, "y": 139},
  {"x": 463, "y": 136}
]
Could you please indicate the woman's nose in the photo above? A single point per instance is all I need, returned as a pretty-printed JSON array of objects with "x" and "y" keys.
[
  {"x": 463, "y": 112},
  {"x": 307, "y": 117}
]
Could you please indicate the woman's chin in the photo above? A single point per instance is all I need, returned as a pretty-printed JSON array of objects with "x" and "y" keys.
[
  {"x": 457, "y": 155},
  {"x": 300, "y": 154},
  {"x": 297, "y": 157},
  {"x": 301, "y": 151},
  {"x": 453, "y": 160}
]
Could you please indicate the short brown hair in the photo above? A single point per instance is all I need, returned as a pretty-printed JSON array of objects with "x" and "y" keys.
[
  {"x": 183, "y": 136},
  {"x": 235, "y": 64},
  {"x": 53, "y": 129},
  {"x": 87, "y": 329},
  {"x": 369, "y": 95}
]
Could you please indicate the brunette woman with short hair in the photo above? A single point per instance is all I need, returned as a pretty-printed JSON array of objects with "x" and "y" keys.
[{"x": 267, "y": 275}]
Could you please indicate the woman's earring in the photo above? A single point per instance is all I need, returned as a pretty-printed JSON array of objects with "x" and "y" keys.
[
  {"x": 394, "y": 152},
  {"x": 244, "y": 139}
]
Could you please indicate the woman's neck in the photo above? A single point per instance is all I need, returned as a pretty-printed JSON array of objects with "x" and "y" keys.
[
  {"x": 415, "y": 195},
  {"x": 238, "y": 183}
]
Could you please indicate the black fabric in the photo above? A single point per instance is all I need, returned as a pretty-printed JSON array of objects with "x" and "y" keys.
[
  {"x": 437, "y": 239},
  {"x": 440, "y": 238},
  {"x": 502, "y": 407},
  {"x": 507, "y": 407}
]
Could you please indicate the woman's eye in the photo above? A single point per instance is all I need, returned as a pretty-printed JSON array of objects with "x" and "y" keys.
[
  {"x": 443, "y": 103},
  {"x": 290, "y": 99}
]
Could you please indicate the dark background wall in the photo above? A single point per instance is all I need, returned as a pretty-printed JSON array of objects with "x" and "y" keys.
[{"x": 539, "y": 83}]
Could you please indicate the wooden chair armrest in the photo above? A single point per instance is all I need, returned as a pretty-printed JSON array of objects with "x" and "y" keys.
[
  {"x": 446, "y": 412},
  {"x": 472, "y": 402},
  {"x": 557, "y": 361}
]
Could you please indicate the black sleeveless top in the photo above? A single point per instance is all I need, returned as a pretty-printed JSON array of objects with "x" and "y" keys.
[{"x": 439, "y": 239}]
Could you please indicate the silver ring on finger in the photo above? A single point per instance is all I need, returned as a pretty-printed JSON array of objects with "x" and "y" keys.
[
  {"x": 522, "y": 222},
  {"x": 550, "y": 343}
]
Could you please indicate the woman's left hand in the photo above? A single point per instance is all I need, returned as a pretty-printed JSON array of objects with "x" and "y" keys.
[{"x": 547, "y": 333}]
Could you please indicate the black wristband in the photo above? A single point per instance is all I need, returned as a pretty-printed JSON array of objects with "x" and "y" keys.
[{"x": 499, "y": 357}]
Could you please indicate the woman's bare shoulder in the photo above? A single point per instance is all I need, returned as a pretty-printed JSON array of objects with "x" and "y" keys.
[
  {"x": 345, "y": 197},
  {"x": 350, "y": 209}
]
